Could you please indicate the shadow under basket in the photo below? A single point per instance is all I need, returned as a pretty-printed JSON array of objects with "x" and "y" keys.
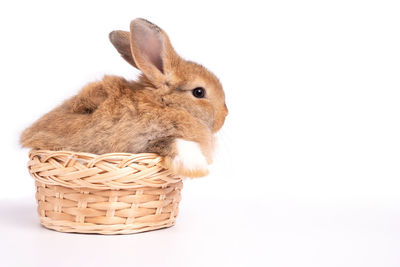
[{"x": 115, "y": 193}]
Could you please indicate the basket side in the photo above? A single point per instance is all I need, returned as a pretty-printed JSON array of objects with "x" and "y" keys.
[{"x": 107, "y": 211}]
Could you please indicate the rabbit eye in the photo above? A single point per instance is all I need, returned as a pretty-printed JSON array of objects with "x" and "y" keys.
[{"x": 199, "y": 92}]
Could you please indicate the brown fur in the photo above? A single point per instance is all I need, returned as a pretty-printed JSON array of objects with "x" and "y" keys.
[{"x": 115, "y": 115}]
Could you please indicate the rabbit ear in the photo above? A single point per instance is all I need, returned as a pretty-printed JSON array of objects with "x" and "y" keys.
[
  {"x": 121, "y": 41},
  {"x": 151, "y": 49}
]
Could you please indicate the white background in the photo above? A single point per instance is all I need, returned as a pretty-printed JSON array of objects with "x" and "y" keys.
[{"x": 307, "y": 171}]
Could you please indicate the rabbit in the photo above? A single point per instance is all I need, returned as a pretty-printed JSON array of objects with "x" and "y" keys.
[{"x": 173, "y": 109}]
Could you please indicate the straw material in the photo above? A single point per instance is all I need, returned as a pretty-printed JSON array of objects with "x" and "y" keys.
[{"x": 116, "y": 193}]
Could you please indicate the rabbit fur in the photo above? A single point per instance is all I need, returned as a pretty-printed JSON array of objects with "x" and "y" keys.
[{"x": 156, "y": 113}]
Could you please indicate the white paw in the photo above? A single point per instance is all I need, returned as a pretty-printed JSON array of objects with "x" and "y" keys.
[{"x": 189, "y": 160}]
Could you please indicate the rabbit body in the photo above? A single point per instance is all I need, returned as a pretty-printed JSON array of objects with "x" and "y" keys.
[{"x": 163, "y": 112}]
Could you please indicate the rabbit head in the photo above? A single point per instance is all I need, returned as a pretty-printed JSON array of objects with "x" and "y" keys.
[{"x": 180, "y": 83}]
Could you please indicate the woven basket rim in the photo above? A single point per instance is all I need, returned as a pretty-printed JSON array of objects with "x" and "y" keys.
[
  {"x": 105, "y": 171},
  {"x": 91, "y": 155}
]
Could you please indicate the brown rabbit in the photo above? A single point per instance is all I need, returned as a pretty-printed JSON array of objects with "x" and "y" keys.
[{"x": 173, "y": 109}]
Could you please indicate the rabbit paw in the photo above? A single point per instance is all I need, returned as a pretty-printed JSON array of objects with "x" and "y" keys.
[{"x": 189, "y": 160}]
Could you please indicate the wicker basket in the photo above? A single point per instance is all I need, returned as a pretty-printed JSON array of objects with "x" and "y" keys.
[{"x": 116, "y": 193}]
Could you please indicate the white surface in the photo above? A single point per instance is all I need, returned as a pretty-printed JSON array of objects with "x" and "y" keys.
[
  {"x": 307, "y": 173},
  {"x": 215, "y": 232}
]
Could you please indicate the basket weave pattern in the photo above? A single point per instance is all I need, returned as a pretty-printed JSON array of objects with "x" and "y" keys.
[{"x": 116, "y": 193}]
